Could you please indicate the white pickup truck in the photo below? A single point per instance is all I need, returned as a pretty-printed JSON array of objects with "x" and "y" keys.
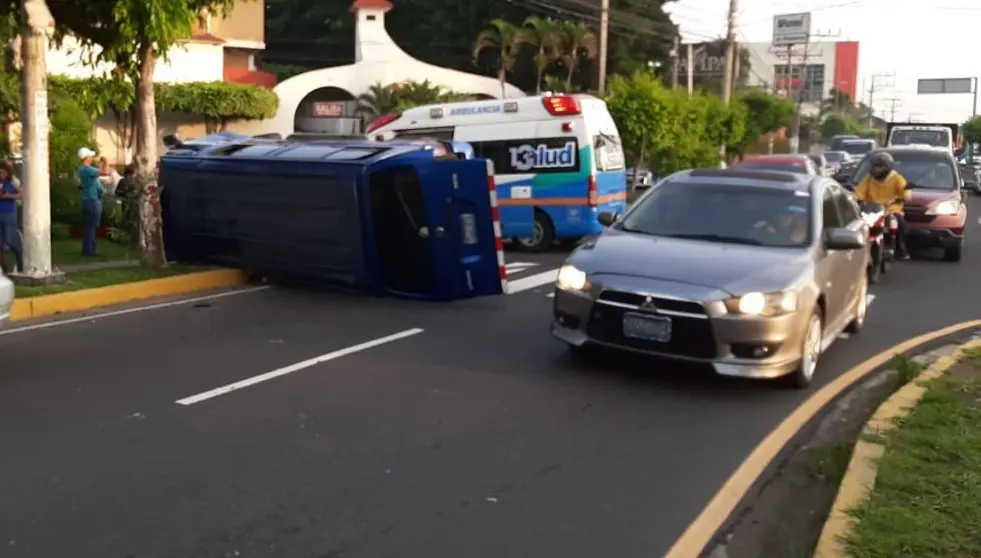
[
  {"x": 940, "y": 136},
  {"x": 6, "y": 298}
]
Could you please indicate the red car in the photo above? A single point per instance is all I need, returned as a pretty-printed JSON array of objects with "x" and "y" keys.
[
  {"x": 937, "y": 211},
  {"x": 797, "y": 164}
]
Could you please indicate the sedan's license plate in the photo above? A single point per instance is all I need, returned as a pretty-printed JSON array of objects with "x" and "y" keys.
[{"x": 647, "y": 328}]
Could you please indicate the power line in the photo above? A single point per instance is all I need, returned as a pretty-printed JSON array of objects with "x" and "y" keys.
[{"x": 877, "y": 85}]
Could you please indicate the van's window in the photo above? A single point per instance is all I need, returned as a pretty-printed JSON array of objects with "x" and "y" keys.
[
  {"x": 608, "y": 152},
  {"x": 442, "y": 134},
  {"x": 532, "y": 156}
]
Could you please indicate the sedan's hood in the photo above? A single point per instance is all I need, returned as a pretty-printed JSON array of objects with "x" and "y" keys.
[
  {"x": 926, "y": 196},
  {"x": 733, "y": 268}
]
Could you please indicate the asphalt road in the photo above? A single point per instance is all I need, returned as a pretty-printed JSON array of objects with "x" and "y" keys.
[{"x": 476, "y": 437}]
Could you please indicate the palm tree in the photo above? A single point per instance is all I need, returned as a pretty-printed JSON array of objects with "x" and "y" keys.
[
  {"x": 417, "y": 93},
  {"x": 378, "y": 101},
  {"x": 506, "y": 39},
  {"x": 578, "y": 42},
  {"x": 545, "y": 35}
]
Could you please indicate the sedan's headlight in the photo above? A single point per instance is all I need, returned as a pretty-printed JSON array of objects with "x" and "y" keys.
[
  {"x": 947, "y": 207},
  {"x": 763, "y": 304},
  {"x": 572, "y": 279}
]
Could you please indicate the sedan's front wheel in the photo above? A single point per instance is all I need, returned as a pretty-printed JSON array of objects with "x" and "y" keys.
[{"x": 810, "y": 353}]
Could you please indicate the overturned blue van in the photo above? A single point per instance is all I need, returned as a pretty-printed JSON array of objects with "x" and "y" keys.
[{"x": 408, "y": 218}]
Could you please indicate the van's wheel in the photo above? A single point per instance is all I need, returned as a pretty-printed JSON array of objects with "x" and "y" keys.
[
  {"x": 810, "y": 352},
  {"x": 544, "y": 234}
]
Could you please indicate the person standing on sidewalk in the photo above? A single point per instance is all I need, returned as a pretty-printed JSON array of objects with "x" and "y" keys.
[
  {"x": 9, "y": 231},
  {"x": 92, "y": 191}
]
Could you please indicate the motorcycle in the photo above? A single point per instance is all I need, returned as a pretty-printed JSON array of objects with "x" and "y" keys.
[{"x": 883, "y": 237}]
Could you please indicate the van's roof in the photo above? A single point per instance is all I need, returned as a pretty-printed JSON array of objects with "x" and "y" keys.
[{"x": 485, "y": 110}]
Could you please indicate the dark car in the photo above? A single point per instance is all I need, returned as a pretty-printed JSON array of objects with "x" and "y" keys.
[
  {"x": 837, "y": 141},
  {"x": 937, "y": 211},
  {"x": 753, "y": 273},
  {"x": 823, "y": 167},
  {"x": 836, "y": 158},
  {"x": 858, "y": 147},
  {"x": 797, "y": 164}
]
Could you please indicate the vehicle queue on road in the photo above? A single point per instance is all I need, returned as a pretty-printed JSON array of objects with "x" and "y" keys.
[{"x": 754, "y": 270}]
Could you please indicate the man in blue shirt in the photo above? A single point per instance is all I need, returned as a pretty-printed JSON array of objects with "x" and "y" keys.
[
  {"x": 9, "y": 231},
  {"x": 92, "y": 190}
]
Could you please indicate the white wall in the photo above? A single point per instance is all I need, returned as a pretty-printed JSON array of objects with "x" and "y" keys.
[
  {"x": 764, "y": 56},
  {"x": 377, "y": 60},
  {"x": 189, "y": 62}
]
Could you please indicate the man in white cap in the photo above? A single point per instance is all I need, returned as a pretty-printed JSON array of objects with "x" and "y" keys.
[{"x": 92, "y": 190}]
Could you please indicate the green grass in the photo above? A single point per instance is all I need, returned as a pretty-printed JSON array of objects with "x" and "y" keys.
[
  {"x": 927, "y": 498},
  {"x": 69, "y": 252},
  {"x": 105, "y": 277}
]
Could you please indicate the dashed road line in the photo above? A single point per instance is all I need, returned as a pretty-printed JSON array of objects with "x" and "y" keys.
[{"x": 333, "y": 355}]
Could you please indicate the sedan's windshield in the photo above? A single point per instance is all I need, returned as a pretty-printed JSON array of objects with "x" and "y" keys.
[
  {"x": 724, "y": 213},
  {"x": 922, "y": 170},
  {"x": 857, "y": 147}
]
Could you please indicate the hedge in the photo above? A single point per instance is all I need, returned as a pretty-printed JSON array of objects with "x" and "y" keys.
[{"x": 216, "y": 101}]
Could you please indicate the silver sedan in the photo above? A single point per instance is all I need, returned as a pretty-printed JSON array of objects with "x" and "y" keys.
[{"x": 751, "y": 272}]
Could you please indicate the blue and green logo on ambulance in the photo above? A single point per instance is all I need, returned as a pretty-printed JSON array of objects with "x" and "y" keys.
[{"x": 527, "y": 159}]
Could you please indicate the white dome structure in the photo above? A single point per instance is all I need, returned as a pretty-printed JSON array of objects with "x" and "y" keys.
[{"x": 323, "y": 101}]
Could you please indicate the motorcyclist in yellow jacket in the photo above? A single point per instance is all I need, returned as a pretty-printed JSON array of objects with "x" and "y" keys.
[{"x": 885, "y": 186}]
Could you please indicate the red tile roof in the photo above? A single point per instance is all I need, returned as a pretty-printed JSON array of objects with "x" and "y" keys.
[
  {"x": 246, "y": 77},
  {"x": 383, "y": 5}
]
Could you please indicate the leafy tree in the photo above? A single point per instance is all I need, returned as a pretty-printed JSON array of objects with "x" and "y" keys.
[
  {"x": 132, "y": 35},
  {"x": 972, "y": 130},
  {"x": 577, "y": 43},
  {"x": 506, "y": 40},
  {"x": 836, "y": 124},
  {"x": 386, "y": 99},
  {"x": 545, "y": 37},
  {"x": 379, "y": 100},
  {"x": 765, "y": 113}
]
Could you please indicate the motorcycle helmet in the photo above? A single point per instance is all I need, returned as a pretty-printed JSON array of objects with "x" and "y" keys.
[{"x": 881, "y": 165}]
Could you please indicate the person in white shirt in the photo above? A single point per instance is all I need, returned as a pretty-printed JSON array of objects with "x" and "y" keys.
[{"x": 109, "y": 177}]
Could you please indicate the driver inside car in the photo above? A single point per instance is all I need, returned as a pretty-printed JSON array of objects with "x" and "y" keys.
[
  {"x": 885, "y": 186},
  {"x": 790, "y": 226}
]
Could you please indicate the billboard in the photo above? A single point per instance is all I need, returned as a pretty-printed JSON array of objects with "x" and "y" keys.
[
  {"x": 791, "y": 29},
  {"x": 949, "y": 86}
]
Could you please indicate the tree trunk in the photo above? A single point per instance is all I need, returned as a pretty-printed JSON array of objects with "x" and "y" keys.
[
  {"x": 540, "y": 70},
  {"x": 151, "y": 223},
  {"x": 572, "y": 70},
  {"x": 502, "y": 77}
]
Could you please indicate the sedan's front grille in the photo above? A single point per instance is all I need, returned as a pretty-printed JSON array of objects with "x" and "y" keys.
[
  {"x": 669, "y": 304},
  {"x": 690, "y": 337}
]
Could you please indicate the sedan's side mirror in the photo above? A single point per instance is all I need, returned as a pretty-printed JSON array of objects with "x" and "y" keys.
[
  {"x": 607, "y": 218},
  {"x": 844, "y": 239}
]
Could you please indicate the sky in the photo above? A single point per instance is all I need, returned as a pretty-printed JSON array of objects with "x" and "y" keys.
[{"x": 901, "y": 38}]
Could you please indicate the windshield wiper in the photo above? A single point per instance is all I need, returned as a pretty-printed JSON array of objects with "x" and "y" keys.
[{"x": 717, "y": 238}]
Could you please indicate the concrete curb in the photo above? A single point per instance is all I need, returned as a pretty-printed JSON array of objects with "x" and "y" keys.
[
  {"x": 87, "y": 299},
  {"x": 859, "y": 478}
]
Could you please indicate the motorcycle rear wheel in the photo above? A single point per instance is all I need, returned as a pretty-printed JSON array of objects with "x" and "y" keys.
[{"x": 877, "y": 264}]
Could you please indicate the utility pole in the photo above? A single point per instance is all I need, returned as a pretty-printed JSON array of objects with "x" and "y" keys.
[
  {"x": 38, "y": 25},
  {"x": 877, "y": 85},
  {"x": 691, "y": 69},
  {"x": 893, "y": 105},
  {"x": 604, "y": 38},
  {"x": 675, "y": 70},
  {"x": 730, "y": 51},
  {"x": 727, "y": 75}
]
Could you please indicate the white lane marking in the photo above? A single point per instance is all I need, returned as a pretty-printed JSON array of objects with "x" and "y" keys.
[
  {"x": 333, "y": 355},
  {"x": 519, "y": 265},
  {"x": 114, "y": 313},
  {"x": 533, "y": 281}
]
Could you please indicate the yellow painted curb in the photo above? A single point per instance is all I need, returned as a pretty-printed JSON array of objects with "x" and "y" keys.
[
  {"x": 859, "y": 478},
  {"x": 713, "y": 517},
  {"x": 87, "y": 299}
]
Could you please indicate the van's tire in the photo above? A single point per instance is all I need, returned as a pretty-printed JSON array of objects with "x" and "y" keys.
[{"x": 544, "y": 234}]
